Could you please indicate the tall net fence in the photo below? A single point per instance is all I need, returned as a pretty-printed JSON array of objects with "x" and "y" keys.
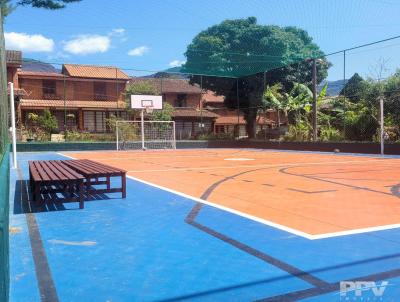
[
  {"x": 277, "y": 104},
  {"x": 4, "y": 173}
]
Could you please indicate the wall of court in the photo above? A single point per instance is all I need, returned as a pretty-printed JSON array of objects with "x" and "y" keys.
[
  {"x": 366, "y": 148},
  {"x": 4, "y": 207},
  {"x": 87, "y": 146}
]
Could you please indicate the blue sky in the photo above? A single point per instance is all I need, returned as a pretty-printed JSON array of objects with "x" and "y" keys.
[{"x": 152, "y": 35}]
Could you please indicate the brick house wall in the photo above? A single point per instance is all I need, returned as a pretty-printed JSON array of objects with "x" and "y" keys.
[
  {"x": 192, "y": 100},
  {"x": 74, "y": 89}
]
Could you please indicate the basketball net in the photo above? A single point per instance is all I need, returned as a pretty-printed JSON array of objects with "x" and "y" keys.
[{"x": 149, "y": 110}]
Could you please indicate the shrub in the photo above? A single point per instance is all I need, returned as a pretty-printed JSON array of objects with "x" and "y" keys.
[
  {"x": 299, "y": 132},
  {"x": 360, "y": 125},
  {"x": 75, "y": 136},
  {"x": 48, "y": 122},
  {"x": 329, "y": 134}
]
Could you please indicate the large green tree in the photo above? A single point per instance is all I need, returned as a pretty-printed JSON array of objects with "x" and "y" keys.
[
  {"x": 235, "y": 53},
  {"x": 7, "y": 5}
]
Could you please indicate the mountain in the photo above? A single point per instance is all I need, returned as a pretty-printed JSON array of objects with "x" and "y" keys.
[
  {"x": 334, "y": 87},
  {"x": 38, "y": 66},
  {"x": 170, "y": 73}
]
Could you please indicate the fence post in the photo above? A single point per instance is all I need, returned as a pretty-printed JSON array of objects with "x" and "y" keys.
[
  {"x": 382, "y": 122},
  {"x": 13, "y": 132},
  {"x": 314, "y": 107}
]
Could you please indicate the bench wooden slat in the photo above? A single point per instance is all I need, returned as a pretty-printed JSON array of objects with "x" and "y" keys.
[
  {"x": 33, "y": 170},
  {"x": 93, "y": 167},
  {"x": 67, "y": 171},
  {"x": 102, "y": 166},
  {"x": 50, "y": 171},
  {"x": 81, "y": 167},
  {"x": 41, "y": 171}
]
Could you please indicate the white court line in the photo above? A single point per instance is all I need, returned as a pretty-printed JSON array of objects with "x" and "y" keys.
[{"x": 264, "y": 221}]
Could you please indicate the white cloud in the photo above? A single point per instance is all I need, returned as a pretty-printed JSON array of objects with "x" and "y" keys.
[
  {"x": 138, "y": 51},
  {"x": 118, "y": 32},
  {"x": 28, "y": 43},
  {"x": 176, "y": 63},
  {"x": 87, "y": 44}
]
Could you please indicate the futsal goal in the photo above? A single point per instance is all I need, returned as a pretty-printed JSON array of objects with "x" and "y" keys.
[{"x": 136, "y": 135}]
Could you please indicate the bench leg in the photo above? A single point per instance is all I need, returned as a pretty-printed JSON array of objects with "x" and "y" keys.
[
  {"x": 123, "y": 183},
  {"x": 36, "y": 192},
  {"x": 108, "y": 182},
  {"x": 80, "y": 194}
]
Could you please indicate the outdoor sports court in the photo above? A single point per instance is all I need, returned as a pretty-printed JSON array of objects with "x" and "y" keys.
[{"x": 213, "y": 225}]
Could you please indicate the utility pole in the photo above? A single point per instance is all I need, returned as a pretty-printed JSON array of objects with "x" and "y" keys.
[{"x": 314, "y": 107}]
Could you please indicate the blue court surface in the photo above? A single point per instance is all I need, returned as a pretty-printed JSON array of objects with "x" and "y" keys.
[{"x": 158, "y": 246}]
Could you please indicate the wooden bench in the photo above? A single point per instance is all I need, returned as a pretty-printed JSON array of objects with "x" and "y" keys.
[
  {"x": 94, "y": 171},
  {"x": 52, "y": 176}
]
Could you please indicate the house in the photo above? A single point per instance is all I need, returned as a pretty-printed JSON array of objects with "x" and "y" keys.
[
  {"x": 231, "y": 121},
  {"x": 14, "y": 63},
  {"x": 81, "y": 97},
  {"x": 190, "y": 117}
]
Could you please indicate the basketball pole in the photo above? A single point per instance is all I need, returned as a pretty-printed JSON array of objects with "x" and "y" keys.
[
  {"x": 142, "y": 123},
  {"x": 13, "y": 132}
]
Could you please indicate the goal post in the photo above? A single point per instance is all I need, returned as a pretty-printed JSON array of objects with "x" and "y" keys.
[{"x": 137, "y": 135}]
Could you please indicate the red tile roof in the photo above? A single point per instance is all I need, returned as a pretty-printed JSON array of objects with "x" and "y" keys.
[
  {"x": 28, "y": 103},
  {"x": 92, "y": 71},
  {"x": 211, "y": 97},
  {"x": 162, "y": 85},
  {"x": 23, "y": 73}
]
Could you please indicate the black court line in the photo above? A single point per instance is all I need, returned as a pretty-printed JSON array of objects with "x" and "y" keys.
[
  {"x": 47, "y": 288},
  {"x": 285, "y": 171},
  {"x": 320, "y": 287},
  {"x": 294, "y": 271},
  {"x": 331, "y": 287}
]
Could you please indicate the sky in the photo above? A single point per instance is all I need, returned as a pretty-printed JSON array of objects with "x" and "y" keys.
[{"x": 152, "y": 35}]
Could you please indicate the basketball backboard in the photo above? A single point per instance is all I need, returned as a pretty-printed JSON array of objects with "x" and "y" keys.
[{"x": 146, "y": 101}]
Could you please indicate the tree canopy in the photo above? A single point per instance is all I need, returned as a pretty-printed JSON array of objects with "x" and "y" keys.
[
  {"x": 244, "y": 49},
  {"x": 7, "y": 6},
  {"x": 354, "y": 87}
]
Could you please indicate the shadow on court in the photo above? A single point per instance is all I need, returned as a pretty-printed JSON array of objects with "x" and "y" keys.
[{"x": 24, "y": 203}]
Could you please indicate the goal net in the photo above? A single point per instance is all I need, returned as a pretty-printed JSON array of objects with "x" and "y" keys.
[{"x": 154, "y": 135}]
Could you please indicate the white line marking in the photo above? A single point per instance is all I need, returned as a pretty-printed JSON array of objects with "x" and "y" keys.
[
  {"x": 254, "y": 218},
  {"x": 267, "y": 222},
  {"x": 73, "y": 243}
]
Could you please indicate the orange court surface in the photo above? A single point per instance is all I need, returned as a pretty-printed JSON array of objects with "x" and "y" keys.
[{"x": 314, "y": 195}]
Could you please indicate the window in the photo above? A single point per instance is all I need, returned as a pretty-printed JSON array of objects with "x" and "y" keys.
[
  {"x": 181, "y": 100},
  {"x": 49, "y": 89},
  {"x": 100, "y": 91},
  {"x": 219, "y": 129}
]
